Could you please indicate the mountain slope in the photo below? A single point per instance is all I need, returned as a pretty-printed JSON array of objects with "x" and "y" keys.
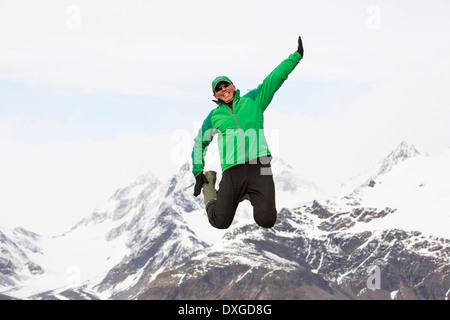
[
  {"x": 16, "y": 247},
  {"x": 297, "y": 261},
  {"x": 250, "y": 263},
  {"x": 154, "y": 233},
  {"x": 404, "y": 151},
  {"x": 291, "y": 188},
  {"x": 326, "y": 250},
  {"x": 145, "y": 228},
  {"x": 152, "y": 240},
  {"x": 118, "y": 248},
  {"x": 417, "y": 187}
]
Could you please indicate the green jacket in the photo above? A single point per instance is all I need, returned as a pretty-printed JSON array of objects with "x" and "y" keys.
[{"x": 241, "y": 129}]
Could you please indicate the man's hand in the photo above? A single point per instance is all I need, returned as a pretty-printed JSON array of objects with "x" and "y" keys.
[
  {"x": 300, "y": 46},
  {"x": 199, "y": 181}
]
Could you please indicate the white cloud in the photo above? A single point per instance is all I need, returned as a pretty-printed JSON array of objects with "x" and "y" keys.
[{"x": 142, "y": 47}]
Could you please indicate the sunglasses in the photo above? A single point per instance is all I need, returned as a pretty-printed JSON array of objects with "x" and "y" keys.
[{"x": 220, "y": 86}]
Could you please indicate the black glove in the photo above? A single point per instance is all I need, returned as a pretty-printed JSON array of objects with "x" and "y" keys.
[
  {"x": 300, "y": 46},
  {"x": 199, "y": 181}
]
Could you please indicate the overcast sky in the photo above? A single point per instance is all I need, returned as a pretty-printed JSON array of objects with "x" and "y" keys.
[{"x": 95, "y": 93}]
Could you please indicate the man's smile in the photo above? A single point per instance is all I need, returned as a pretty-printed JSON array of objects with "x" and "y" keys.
[{"x": 226, "y": 93}]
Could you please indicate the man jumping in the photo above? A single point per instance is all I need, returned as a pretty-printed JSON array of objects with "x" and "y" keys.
[{"x": 244, "y": 153}]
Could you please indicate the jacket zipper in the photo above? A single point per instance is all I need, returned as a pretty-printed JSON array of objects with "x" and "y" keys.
[{"x": 240, "y": 132}]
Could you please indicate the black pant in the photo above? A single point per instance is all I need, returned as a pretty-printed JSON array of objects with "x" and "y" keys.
[{"x": 253, "y": 178}]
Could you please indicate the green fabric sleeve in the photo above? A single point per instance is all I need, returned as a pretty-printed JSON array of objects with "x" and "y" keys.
[
  {"x": 201, "y": 143},
  {"x": 265, "y": 92}
]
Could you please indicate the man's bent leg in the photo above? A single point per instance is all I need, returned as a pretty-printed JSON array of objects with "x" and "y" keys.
[
  {"x": 218, "y": 220},
  {"x": 221, "y": 211},
  {"x": 262, "y": 195},
  {"x": 209, "y": 191}
]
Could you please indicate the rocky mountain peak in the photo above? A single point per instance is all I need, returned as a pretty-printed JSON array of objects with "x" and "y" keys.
[
  {"x": 402, "y": 152},
  {"x": 355, "y": 185}
]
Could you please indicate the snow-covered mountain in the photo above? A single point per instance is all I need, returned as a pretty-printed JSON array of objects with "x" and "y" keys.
[
  {"x": 145, "y": 228},
  {"x": 16, "y": 247},
  {"x": 296, "y": 260},
  {"x": 153, "y": 240},
  {"x": 417, "y": 186},
  {"x": 291, "y": 188},
  {"x": 395, "y": 221},
  {"x": 118, "y": 248},
  {"x": 403, "y": 152}
]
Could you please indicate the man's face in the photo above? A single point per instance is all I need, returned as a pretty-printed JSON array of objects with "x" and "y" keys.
[{"x": 225, "y": 91}]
